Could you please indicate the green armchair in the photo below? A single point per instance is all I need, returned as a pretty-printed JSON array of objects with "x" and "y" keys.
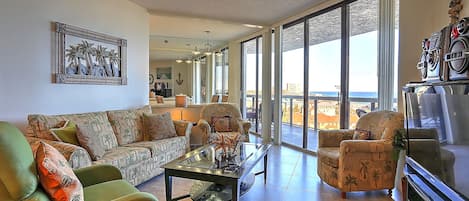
[{"x": 19, "y": 179}]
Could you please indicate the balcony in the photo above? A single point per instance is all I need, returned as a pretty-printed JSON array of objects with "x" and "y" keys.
[{"x": 323, "y": 114}]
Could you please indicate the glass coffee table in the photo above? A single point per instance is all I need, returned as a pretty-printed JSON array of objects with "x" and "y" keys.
[{"x": 214, "y": 164}]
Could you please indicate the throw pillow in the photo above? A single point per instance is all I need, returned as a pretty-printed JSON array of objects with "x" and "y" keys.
[
  {"x": 125, "y": 125},
  {"x": 159, "y": 126},
  {"x": 221, "y": 123},
  {"x": 56, "y": 176},
  {"x": 67, "y": 133},
  {"x": 90, "y": 141},
  {"x": 361, "y": 134}
]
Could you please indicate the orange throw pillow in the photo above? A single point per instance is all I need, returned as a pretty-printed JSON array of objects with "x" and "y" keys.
[{"x": 56, "y": 176}]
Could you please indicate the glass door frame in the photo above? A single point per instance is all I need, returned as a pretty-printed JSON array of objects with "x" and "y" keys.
[
  {"x": 344, "y": 74},
  {"x": 243, "y": 82}
]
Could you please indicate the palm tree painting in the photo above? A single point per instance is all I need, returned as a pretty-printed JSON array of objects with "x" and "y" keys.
[
  {"x": 87, "y": 57},
  {"x": 100, "y": 61}
]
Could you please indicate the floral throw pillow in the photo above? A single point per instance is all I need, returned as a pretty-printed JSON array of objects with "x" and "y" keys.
[
  {"x": 56, "y": 176},
  {"x": 221, "y": 123},
  {"x": 159, "y": 126}
]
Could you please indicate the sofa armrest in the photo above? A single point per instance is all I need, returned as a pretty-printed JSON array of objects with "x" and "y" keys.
[
  {"x": 138, "y": 196},
  {"x": 200, "y": 132},
  {"x": 76, "y": 156},
  {"x": 332, "y": 138},
  {"x": 97, "y": 174},
  {"x": 365, "y": 146},
  {"x": 245, "y": 125}
]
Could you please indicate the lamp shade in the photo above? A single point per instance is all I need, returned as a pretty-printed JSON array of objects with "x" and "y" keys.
[{"x": 181, "y": 101}]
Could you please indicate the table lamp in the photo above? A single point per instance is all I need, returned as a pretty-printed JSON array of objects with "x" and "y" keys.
[{"x": 181, "y": 101}]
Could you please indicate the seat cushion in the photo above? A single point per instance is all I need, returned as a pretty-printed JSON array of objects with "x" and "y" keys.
[
  {"x": 329, "y": 156},
  {"x": 160, "y": 147},
  {"x": 109, "y": 190},
  {"x": 122, "y": 157}
]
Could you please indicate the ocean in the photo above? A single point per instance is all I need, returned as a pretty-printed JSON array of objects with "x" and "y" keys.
[{"x": 352, "y": 94}]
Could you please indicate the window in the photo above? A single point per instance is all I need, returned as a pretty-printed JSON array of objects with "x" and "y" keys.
[{"x": 221, "y": 72}]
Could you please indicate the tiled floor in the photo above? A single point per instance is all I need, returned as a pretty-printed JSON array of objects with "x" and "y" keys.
[{"x": 291, "y": 176}]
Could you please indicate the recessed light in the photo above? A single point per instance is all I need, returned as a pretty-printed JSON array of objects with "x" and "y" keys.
[{"x": 253, "y": 26}]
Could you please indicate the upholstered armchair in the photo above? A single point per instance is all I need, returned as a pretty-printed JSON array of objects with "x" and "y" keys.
[
  {"x": 19, "y": 177},
  {"x": 361, "y": 159},
  {"x": 201, "y": 133}
]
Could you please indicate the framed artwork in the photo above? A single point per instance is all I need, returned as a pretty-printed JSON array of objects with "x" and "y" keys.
[
  {"x": 163, "y": 73},
  {"x": 88, "y": 57}
]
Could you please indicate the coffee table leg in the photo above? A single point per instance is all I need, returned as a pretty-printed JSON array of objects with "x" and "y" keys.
[
  {"x": 265, "y": 169},
  {"x": 235, "y": 190},
  {"x": 168, "y": 180}
]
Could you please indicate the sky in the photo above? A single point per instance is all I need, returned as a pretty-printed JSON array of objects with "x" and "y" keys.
[{"x": 324, "y": 65}]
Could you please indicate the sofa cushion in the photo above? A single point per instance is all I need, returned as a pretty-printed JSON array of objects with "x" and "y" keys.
[
  {"x": 162, "y": 146},
  {"x": 56, "y": 176},
  {"x": 109, "y": 190},
  {"x": 98, "y": 121},
  {"x": 126, "y": 126},
  {"x": 329, "y": 156},
  {"x": 159, "y": 126},
  {"x": 122, "y": 157}
]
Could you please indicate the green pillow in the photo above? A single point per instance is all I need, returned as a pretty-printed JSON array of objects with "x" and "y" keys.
[{"x": 67, "y": 133}]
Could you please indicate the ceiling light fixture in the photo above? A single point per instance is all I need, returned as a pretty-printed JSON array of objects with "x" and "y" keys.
[
  {"x": 253, "y": 26},
  {"x": 218, "y": 54},
  {"x": 196, "y": 51},
  {"x": 208, "y": 46},
  {"x": 179, "y": 61},
  {"x": 188, "y": 61}
]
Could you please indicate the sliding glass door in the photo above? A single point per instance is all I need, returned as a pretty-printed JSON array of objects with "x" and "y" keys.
[
  {"x": 293, "y": 84},
  {"x": 363, "y": 59},
  {"x": 329, "y": 70},
  {"x": 324, "y": 74},
  {"x": 252, "y": 81}
]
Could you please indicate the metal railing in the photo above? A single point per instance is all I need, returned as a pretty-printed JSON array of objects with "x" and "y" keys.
[{"x": 288, "y": 104}]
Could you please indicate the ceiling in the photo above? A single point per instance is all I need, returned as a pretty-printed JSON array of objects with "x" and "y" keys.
[{"x": 182, "y": 22}]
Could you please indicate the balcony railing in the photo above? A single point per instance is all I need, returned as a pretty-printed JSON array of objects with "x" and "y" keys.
[{"x": 323, "y": 110}]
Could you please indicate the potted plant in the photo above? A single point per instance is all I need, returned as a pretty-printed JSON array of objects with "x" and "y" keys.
[{"x": 399, "y": 146}]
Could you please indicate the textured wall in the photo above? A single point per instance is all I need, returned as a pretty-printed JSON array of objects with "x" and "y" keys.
[{"x": 26, "y": 46}]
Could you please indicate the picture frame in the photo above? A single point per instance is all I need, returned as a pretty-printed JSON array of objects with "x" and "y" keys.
[{"x": 87, "y": 57}]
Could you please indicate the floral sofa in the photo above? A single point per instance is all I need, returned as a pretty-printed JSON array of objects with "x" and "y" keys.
[{"x": 126, "y": 147}]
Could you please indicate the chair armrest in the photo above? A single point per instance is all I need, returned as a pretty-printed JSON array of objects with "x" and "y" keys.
[
  {"x": 138, "y": 196},
  {"x": 97, "y": 174},
  {"x": 76, "y": 156},
  {"x": 183, "y": 128},
  {"x": 332, "y": 138},
  {"x": 201, "y": 132},
  {"x": 365, "y": 146},
  {"x": 245, "y": 125}
]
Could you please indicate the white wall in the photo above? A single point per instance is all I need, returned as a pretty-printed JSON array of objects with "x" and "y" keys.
[{"x": 25, "y": 52}]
